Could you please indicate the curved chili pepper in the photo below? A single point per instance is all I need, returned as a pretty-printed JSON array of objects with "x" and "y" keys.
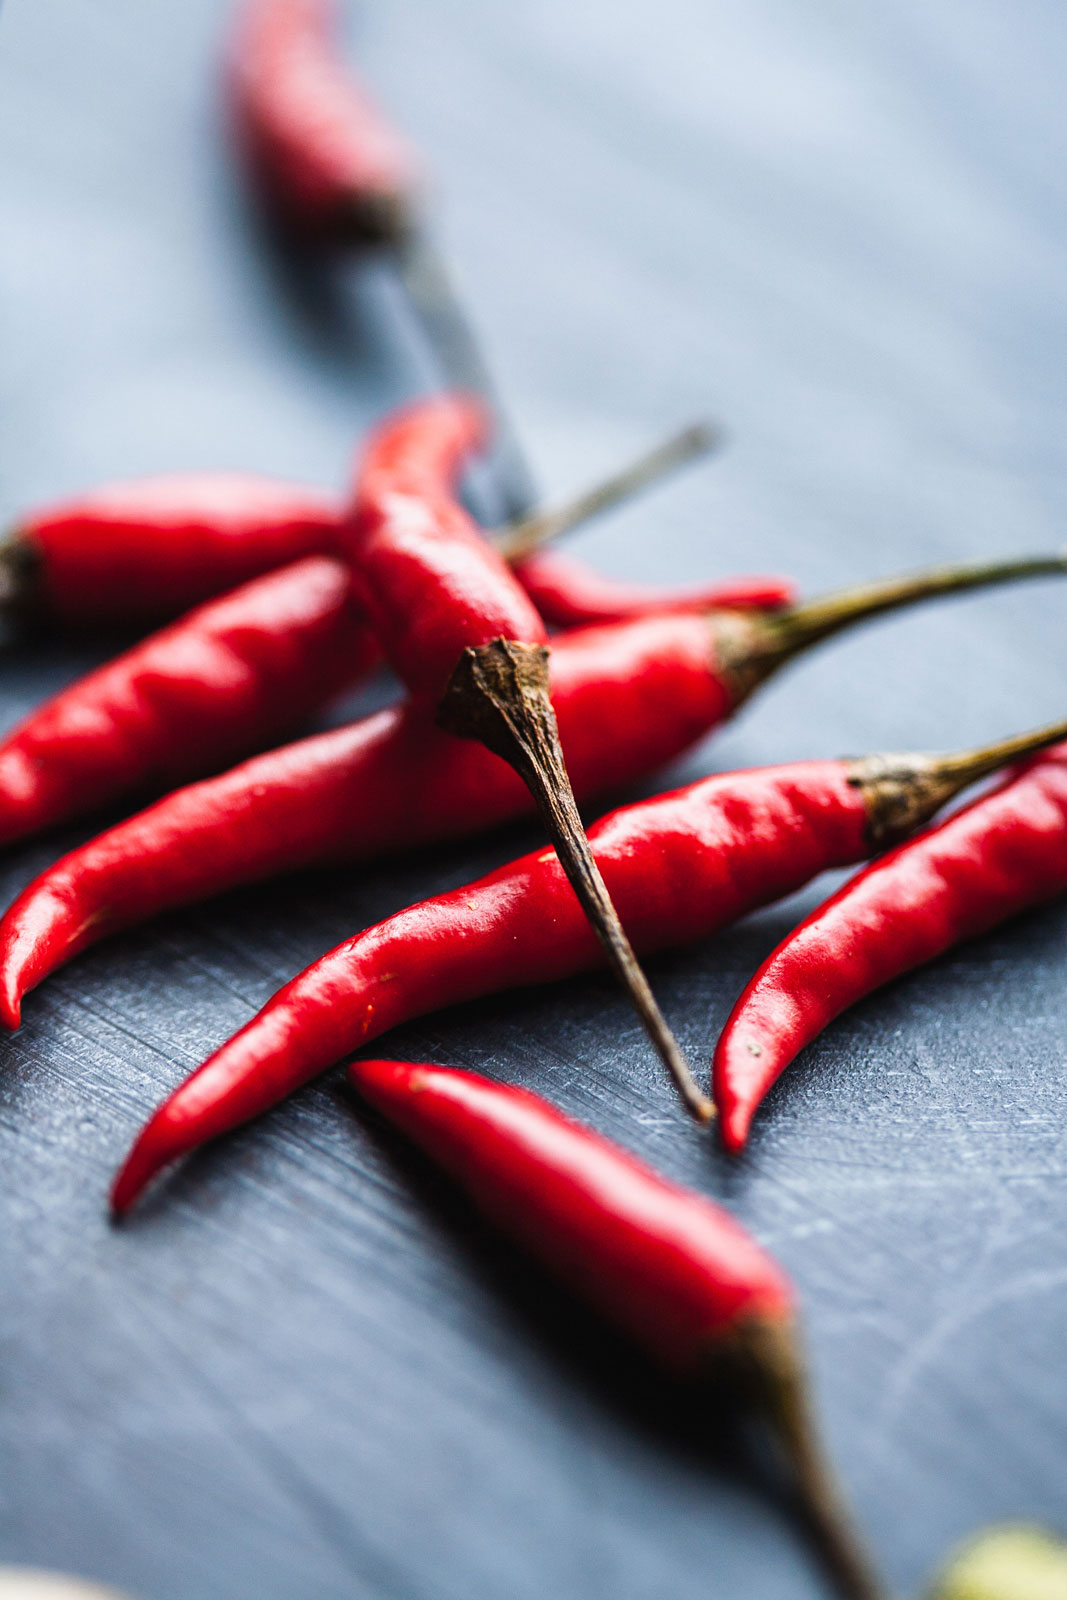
[
  {"x": 1004, "y": 852},
  {"x": 328, "y": 160},
  {"x": 680, "y": 866},
  {"x": 569, "y": 594},
  {"x": 229, "y": 677},
  {"x": 675, "y": 1272},
  {"x": 151, "y": 548},
  {"x": 177, "y": 705},
  {"x": 628, "y": 698},
  {"x": 460, "y": 631}
]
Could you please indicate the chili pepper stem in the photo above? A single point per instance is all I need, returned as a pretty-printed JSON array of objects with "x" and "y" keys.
[
  {"x": 767, "y": 1346},
  {"x": 19, "y": 572},
  {"x": 902, "y": 792},
  {"x": 499, "y": 694},
  {"x": 522, "y": 538},
  {"x": 753, "y": 647},
  {"x": 455, "y": 344}
]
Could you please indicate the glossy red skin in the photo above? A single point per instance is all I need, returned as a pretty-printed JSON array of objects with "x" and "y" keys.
[
  {"x": 431, "y": 584},
  {"x": 317, "y": 145},
  {"x": 1004, "y": 852},
  {"x": 628, "y": 698},
  {"x": 151, "y": 548},
  {"x": 672, "y": 1269},
  {"x": 678, "y": 867},
  {"x": 569, "y": 594},
  {"x": 231, "y": 676}
]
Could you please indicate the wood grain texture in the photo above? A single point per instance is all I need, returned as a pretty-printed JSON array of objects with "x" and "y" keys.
[{"x": 301, "y": 1370}]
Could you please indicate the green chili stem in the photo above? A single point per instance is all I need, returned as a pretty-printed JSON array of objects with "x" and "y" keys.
[
  {"x": 750, "y": 647},
  {"x": 805, "y": 624},
  {"x": 902, "y": 792}
]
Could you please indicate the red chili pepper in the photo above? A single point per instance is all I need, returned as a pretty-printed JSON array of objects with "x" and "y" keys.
[
  {"x": 229, "y": 677},
  {"x": 328, "y": 160},
  {"x": 628, "y": 697},
  {"x": 679, "y": 866},
  {"x": 333, "y": 171},
  {"x": 1003, "y": 853},
  {"x": 222, "y": 681},
  {"x": 149, "y": 549},
  {"x": 459, "y": 630},
  {"x": 430, "y": 581},
  {"x": 673, "y": 1270},
  {"x": 568, "y": 594}
]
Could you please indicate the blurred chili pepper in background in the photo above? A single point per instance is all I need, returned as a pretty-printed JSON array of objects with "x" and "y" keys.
[{"x": 334, "y": 173}]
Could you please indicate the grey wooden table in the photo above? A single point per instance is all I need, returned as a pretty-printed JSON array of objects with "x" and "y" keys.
[{"x": 302, "y": 1371}]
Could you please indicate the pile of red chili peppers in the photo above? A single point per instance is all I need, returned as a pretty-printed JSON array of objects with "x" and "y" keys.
[{"x": 269, "y": 598}]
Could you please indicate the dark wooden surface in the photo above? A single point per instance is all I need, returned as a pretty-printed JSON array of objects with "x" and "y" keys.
[{"x": 301, "y": 1371}]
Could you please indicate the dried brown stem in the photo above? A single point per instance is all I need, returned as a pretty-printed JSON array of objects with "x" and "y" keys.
[
  {"x": 902, "y": 792},
  {"x": 499, "y": 695},
  {"x": 766, "y": 1354},
  {"x": 459, "y": 355},
  {"x": 373, "y": 220},
  {"x": 750, "y": 647},
  {"x": 20, "y": 575},
  {"x": 523, "y": 538}
]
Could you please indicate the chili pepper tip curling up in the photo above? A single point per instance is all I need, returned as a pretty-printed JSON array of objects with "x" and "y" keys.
[
  {"x": 677, "y": 1273},
  {"x": 461, "y": 633},
  {"x": 680, "y": 866},
  {"x": 1005, "y": 851}
]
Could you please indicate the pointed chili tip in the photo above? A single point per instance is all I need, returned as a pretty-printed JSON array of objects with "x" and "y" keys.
[
  {"x": 734, "y": 1126},
  {"x": 10, "y": 1006},
  {"x": 148, "y": 1156},
  {"x": 124, "y": 1191},
  {"x": 367, "y": 1076}
]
